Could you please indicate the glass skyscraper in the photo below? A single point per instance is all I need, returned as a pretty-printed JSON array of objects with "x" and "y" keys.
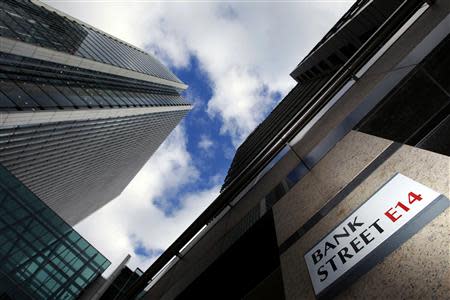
[
  {"x": 41, "y": 256},
  {"x": 80, "y": 111}
]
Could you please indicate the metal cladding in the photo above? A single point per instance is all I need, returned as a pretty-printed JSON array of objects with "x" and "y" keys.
[{"x": 80, "y": 111}]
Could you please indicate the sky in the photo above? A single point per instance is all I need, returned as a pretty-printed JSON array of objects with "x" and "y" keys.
[{"x": 236, "y": 58}]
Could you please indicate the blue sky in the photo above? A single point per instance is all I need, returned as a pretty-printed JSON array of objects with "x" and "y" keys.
[
  {"x": 236, "y": 58},
  {"x": 212, "y": 151}
]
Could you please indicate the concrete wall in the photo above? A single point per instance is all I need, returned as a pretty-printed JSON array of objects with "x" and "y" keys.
[
  {"x": 326, "y": 179},
  {"x": 418, "y": 269}
]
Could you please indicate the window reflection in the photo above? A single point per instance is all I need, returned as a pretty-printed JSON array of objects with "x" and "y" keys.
[{"x": 33, "y": 24}]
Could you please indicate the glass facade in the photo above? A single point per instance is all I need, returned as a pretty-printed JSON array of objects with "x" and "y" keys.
[
  {"x": 31, "y": 84},
  {"x": 417, "y": 111},
  {"x": 73, "y": 130},
  {"x": 123, "y": 281},
  {"x": 30, "y": 23},
  {"x": 42, "y": 257},
  {"x": 78, "y": 166}
]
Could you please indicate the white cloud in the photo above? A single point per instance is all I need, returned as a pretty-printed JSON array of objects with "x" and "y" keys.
[
  {"x": 205, "y": 143},
  {"x": 133, "y": 216},
  {"x": 246, "y": 50}
]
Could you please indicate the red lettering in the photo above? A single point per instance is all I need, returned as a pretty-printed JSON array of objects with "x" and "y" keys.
[
  {"x": 391, "y": 212},
  {"x": 413, "y": 197},
  {"x": 402, "y": 206},
  {"x": 391, "y": 215}
]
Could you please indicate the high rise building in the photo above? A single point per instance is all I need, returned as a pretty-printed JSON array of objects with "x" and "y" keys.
[
  {"x": 342, "y": 191},
  {"x": 41, "y": 256},
  {"x": 80, "y": 111}
]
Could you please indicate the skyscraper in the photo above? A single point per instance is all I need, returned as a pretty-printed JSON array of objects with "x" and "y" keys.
[
  {"x": 342, "y": 191},
  {"x": 80, "y": 111}
]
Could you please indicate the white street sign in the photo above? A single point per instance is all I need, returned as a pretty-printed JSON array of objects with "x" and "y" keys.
[{"x": 382, "y": 215}]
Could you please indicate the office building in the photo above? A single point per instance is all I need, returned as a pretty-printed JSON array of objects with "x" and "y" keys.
[
  {"x": 80, "y": 111},
  {"x": 41, "y": 256},
  {"x": 342, "y": 192},
  {"x": 121, "y": 283},
  {"x": 115, "y": 285}
]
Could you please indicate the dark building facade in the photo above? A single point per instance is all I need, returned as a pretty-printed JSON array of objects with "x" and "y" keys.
[
  {"x": 41, "y": 256},
  {"x": 80, "y": 111},
  {"x": 369, "y": 116},
  {"x": 121, "y": 283}
]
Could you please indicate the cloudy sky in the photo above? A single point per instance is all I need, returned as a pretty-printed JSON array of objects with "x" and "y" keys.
[{"x": 236, "y": 58}]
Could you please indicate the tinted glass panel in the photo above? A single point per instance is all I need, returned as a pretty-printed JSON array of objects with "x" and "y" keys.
[
  {"x": 30, "y": 23},
  {"x": 55, "y": 94},
  {"x": 70, "y": 96},
  {"x": 38, "y": 255},
  {"x": 406, "y": 110},
  {"x": 63, "y": 86},
  {"x": 4, "y": 100},
  {"x": 38, "y": 95},
  {"x": 439, "y": 139},
  {"x": 438, "y": 64},
  {"x": 16, "y": 95},
  {"x": 416, "y": 113}
]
